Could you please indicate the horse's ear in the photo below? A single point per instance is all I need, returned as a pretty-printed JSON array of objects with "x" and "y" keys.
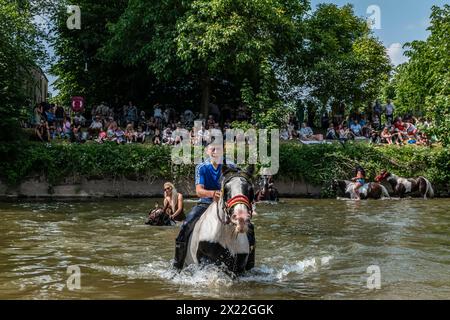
[
  {"x": 225, "y": 168},
  {"x": 250, "y": 170}
]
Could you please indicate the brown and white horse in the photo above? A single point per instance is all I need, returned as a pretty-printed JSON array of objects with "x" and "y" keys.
[
  {"x": 221, "y": 233},
  {"x": 404, "y": 186},
  {"x": 371, "y": 190}
]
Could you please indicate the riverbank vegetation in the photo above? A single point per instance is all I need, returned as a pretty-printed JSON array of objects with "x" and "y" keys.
[{"x": 314, "y": 164}]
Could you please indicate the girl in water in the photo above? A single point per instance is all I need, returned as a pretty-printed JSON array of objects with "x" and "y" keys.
[{"x": 174, "y": 201}]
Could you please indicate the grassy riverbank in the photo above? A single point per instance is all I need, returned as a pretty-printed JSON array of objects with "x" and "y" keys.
[{"x": 314, "y": 164}]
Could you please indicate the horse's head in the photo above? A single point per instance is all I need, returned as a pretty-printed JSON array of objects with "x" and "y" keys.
[
  {"x": 237, "y": 197},
  {"x": 341, "y": 185},
  {"x": 384, "y": 174}
]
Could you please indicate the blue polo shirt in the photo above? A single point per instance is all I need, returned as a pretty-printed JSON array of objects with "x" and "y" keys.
[{"x": 209, "y": 177}]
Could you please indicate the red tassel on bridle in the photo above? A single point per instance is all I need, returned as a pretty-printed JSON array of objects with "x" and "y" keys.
[{"x": 239, "y": 199}]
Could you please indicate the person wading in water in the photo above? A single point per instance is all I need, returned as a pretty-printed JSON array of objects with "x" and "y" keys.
[
  {"x": 173, "y": 200},
  {"x": 208, "y": 176}
]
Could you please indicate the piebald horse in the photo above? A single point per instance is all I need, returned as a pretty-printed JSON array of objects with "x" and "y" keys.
[
  {"x": 220, "y": 235},
  {"x": 403, "y": 186},
  {"x": 371, "y": 190}
]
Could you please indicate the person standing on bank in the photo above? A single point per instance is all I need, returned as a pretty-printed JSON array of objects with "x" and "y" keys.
[{"x": 208, "y": 177}]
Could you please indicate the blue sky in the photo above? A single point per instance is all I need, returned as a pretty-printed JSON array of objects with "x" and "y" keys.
[{"x": 401, "y": 21}]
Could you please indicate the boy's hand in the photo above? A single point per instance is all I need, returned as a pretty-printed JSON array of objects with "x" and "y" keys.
[{"x": 217, "y": 195}]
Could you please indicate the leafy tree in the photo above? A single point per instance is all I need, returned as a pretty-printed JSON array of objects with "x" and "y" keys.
[
  {"x": 342, "y": 61},
  {"x": 422, "y": 84},
  {"x": 79, "y": 68},
  {"x": 209, "y": 40},
  {"x": 20, "y": 52}
]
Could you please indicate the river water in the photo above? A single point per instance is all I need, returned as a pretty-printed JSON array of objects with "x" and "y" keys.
[{"x": 306, "y": 249}]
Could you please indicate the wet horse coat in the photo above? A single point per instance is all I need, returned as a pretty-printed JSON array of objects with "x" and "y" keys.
[
  {"x": 403, "y": 186},
  {"x": 371, "y": 190}
]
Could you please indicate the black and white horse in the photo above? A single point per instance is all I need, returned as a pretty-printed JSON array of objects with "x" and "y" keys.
[
  {"x": 404, "y": 186},
  {"x": 371, "y": 190},
  {"x": 220, "y": 235}
]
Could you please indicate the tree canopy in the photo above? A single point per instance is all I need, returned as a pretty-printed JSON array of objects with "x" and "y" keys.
[
  {"x": 20, "y": 52},
  {"x": 422, "y": 85},
  {"x": 253, "y": 52}
]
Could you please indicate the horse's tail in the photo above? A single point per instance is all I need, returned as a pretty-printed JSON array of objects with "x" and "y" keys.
[
  {"x": 429, "y": 190},
  {"x": 384, "y": 191}
]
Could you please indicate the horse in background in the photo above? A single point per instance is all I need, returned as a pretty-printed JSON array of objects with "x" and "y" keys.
[
  {"x": 268, "y": 192},
  {"x": 371, "y": 190},
  {"x": 404, "y": 186},
  {"x": 159, "y": 217},
  {"x": 221, "y": 234}
]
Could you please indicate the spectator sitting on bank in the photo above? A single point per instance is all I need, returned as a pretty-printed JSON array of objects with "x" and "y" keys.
[
  {"x": 306, "y": 134},
  {"x": 284, "y": 134},
  {"x": 167, "y": 136},
  {"x": 59, "y": 116},
  {"x": 202, "y": 136},
  {"x": 120, "y": 136},
  {"x": 130, "y": 135},
  {"x": 140, "y": 135},
  {"x": 157, "y": 137},
  {"x": 67, "y": 130},
  {"x": 79, "y": 119},
  {"x": 111, "y": 132},
  {"x": 96, "y": 126},
  {"x": 356, "y": 128},
  {"x": 291, "y": 130},
  {"x": 331, "y": 133},
  {"x": 102, "y": 137},
  {"x": 386, "y": 136}
]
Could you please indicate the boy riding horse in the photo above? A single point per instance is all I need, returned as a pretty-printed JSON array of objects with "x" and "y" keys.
[{"x": 208, "y": 176}]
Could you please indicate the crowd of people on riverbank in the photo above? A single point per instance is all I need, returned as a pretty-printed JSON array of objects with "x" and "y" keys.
[
  {"x": 130, "y": 124},
  {"x": 361, "y": 126}
]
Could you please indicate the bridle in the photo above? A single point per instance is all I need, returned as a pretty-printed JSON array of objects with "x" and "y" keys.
[{"x": 237, "y": 199}]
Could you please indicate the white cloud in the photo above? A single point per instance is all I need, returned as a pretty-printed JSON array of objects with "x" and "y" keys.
[{"x": 395, "y": 52}]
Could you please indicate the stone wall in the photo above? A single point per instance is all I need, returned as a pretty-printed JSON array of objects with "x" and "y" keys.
[{"x": 38, "y": 188}]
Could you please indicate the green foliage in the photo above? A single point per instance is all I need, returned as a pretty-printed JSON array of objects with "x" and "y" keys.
[
  {"x": 342, "y": 61},
  {"x": 20, "y": 52},
  {"x": 57, "y": 161},
  {"x": 422, "y": 85},
  {"x": 77, "y": 49},
  {"x": 317, "y": 164},
  {"x": 320, "y": 164}
]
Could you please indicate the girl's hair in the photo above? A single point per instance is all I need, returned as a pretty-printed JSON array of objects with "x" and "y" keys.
[{"x": 174, "y": 200}]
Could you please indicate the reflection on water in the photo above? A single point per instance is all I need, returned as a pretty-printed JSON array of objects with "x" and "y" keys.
[{"x": 316, "y": 249}]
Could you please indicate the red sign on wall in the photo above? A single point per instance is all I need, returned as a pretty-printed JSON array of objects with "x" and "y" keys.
[{"x": 77, "y": 104}]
